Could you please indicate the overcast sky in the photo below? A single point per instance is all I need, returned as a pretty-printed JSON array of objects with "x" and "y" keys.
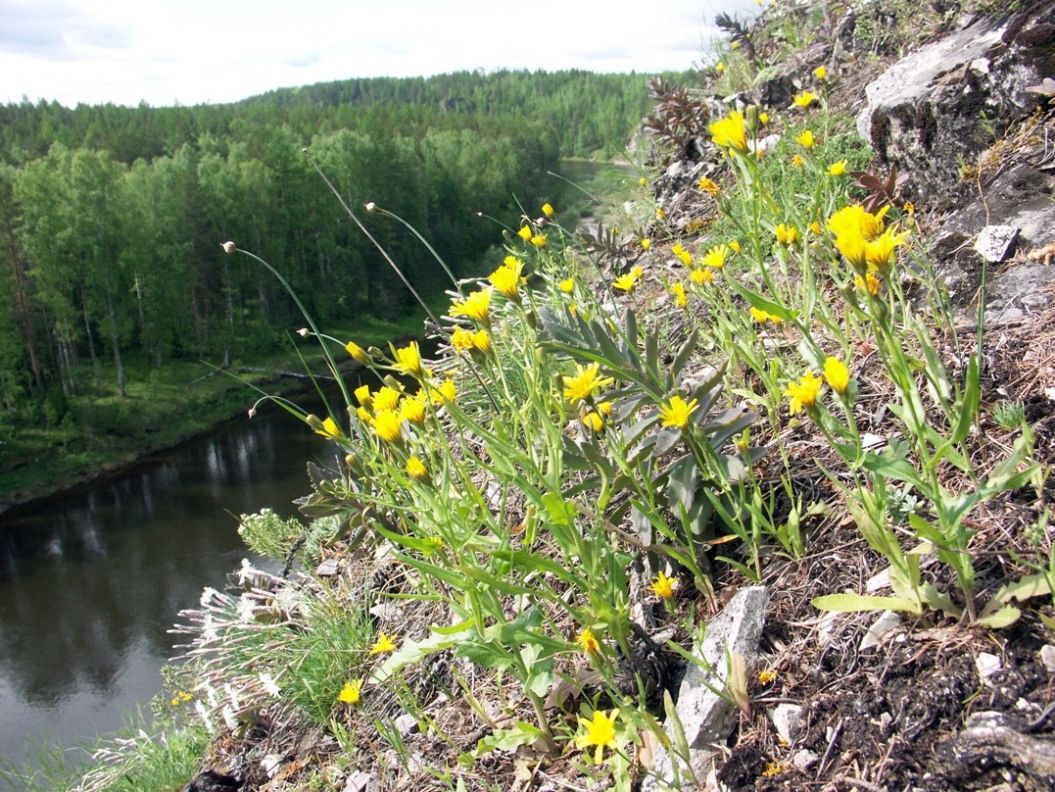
[{"x": 191, "y": 51}]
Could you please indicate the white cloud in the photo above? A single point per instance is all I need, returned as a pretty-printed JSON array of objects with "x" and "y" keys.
[{"x": 192, "y": 51}]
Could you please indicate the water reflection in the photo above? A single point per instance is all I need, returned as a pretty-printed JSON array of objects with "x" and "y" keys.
[{"x": 89, "y": 585}]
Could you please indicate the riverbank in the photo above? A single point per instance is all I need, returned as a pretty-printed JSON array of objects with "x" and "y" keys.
[{"x": 107, "y": 436}]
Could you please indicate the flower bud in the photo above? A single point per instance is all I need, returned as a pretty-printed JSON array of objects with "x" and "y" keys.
[{"x": 229, "y": 247}]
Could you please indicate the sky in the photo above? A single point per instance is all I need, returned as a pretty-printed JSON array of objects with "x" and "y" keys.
[{"x": 166, "y": 52}]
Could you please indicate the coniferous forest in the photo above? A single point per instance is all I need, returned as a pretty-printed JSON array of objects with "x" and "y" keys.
[{"x": 112, "y": 218}]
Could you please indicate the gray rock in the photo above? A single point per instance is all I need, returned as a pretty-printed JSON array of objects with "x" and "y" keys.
[
  {"x": 804, "y": 759},
  {"x": 886, "y": 621},
  {"x": 995, "y": 242},
  {"x": 1047, "y": 657},
  {"x": 707, "y": 718},
  {"x": 787, "y": 719}
]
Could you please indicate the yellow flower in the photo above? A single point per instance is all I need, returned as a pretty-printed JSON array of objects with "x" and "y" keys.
[
  {"x": 547, "y": 210},
  {"x": 853, "y": 246},
  {"x": 710, "y": 186},
  {"x": 869, "y": 282},
  {"x": 567, "y": 285},
  {"x": 462, "y": 339},
  {"x": 767, "y": 677},
  {"x": 660, "y": 213},
  {"x": 365, "y": 415},
  {"x": 803, "y": 394},
  {"x": 837, "y": 374},
  {"x": 797, "y": 161},
  {"x": 625, "y": 283},
  {"x": 804, "y": 99},
  {"x": 605, "y": 409},
  {"x": 386, "y": 398},
  {"x": 716, "y": 256},
  {"x": 585, "y": 381},
  {"x": 357, "y": 352},
  {"x": 600, "y": 732},
  {"x": 762, "y": 317},
  {"x": 786, "y": 234},
  {"x": 680, "y": 300},
  {"x": 676, "y": 412},
  {"x": 701, "y": 276},
  {"x": 637, "y": 272},
  {"x": 329, "y": 429},
  {"x": 539, "y": 240},
  {"x": 592, "y": 420},
  {"x": 587, "y": 641},
  {"x": 446, "y": 392},
  {"x": 475, "y": 306},
  {"x": 763, "y": 117},
  {"x": 815, "y": 228},
  {"x": 507, "y": 277},
  {"x": 735, "y": 245},
  {"x": 806, "y": 139},
  {"x": 482, "y": 341},
  {"x": 685, "y": 257},
  {"x": 719, "y": 67},
  {"x": 820, "y": 72},
  {"x": 646, "y": 244},
  {"x": 525, "y": 233},
  {"x": 837, "y": 168},
  {"x": 384, "y": 644},
  {"x": 642, "y": 181},
  {"x": 408, "y": 359},
  {"x": 388, "y": 425},
  {"x": 362, "y": 395},
  {"x": 351, "y": 691},
  {"x": 416, "y": 469},
  {"x": 412, "y": 409},
  {"x": 880, "y": 251},
  {"x": 662, "y": 586},
  {"x": 910, "y": 208},
  {"x": 729, "y": 132},
  {"x": 774, "y": 769}
]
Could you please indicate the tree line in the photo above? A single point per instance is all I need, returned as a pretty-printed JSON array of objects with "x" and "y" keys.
[{"x": 111, "y": 218}]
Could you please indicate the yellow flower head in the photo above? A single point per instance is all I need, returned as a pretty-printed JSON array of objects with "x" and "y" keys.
[
  {"x": 362, "y": 395},
  {"x": 708, "y": 185},
  {"x": 869, "y": 283},
  {"x": 445, "y": 393},
  {"x": 767, "y": 677},
  {"x": 701, "y": 276},
  {"x": 880, "y": 251},
  {"x": 716, "y": 256},
  {"x": 586, "y": 380},
  {"x": 642, "y": 181},
  {"x": 539, "y": 240},
  {"x": 804, "y": 99},
  {"x": 676, "y": 412},
  {"x": 567, "y": 285},
  {"x": 763, "y": 117},
  {"x": 678, "y": 290},
  {"x": 548, "y": 210},
  {"x": 837, "y": 168},
  {"x": 806, "y": 139},
  {"x": 625, "y": 283},
  {"x": 646, "y": 244},
  {"x": 357, "y": 352},
  {"x": 837, "y": 375},
  {"x": 329, "y": 429},
  {"x": 386, "y": 398},
  {"x": 482, "y": 341},
  {"x": 507, "y": 277},
  {"x": 853, "y": 246},
  {"x": 600, "y": 732},
  {"x": 412, "y": 409},
  {"x": 797, "y": 161},
  {"x": 384, "y": 644},
  {"x": 815, "y": 228},
  {"x": 351, "y": 691},
  {"x": 719, "y": 67},
  {"x": 462, "y": 339},
  {"x": 408, "y": 359},
  {"x": 475, "y": 306},
  {"x": 786, "y": 234},
  {"x": 416, "y": 469},
  {"x": 820, "y": 72},
  {"x": 729, "y": 132},
  {"x": 388, "y": 425},
  {"x": 588, "y": 641},
  {"x": 803, "y": 394},
  {"x": 662, "y": 586},
  {"x": 592, "y": 420},
  {"x": 684, "y": 256},
  {"x": 735, "y": 246},
  {"x": 525, "y": 233}
]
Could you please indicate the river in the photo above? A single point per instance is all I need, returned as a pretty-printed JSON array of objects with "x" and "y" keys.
[{"x": 91, "y": 582}]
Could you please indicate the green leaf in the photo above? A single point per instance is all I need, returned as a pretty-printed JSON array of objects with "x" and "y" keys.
[
  {"x": 762, "y": 304},
  {"x": 559, "y": 510},
  {"x": 509, "y": 739},
  {"x": 969, "y": 404},
  {"x": 848, "y": 602},
  {"x": 1003, "y": 617}
]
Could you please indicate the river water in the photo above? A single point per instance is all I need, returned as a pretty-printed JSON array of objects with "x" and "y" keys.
[{"x": 91, "y": 582}]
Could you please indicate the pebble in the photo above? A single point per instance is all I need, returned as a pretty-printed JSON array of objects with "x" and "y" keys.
[
  {"x": 987, "y": 665},
  {"x": 1047, "y": 657}
]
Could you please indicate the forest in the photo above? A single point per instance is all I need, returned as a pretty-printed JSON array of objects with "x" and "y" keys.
[{"x": 112, "y": 218}]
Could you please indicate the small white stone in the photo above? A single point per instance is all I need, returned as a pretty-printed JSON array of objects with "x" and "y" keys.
[
  {"x": 888, "y": 620},
  {"x": 995, "y": 241},
  {"x": 804, "y": 759},
  {"x": 787, "y": 718},
  {"x": 1047, "y": 657},
  {"x": 987, "y": 665},
  {"x": 406, "y": 724}
]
